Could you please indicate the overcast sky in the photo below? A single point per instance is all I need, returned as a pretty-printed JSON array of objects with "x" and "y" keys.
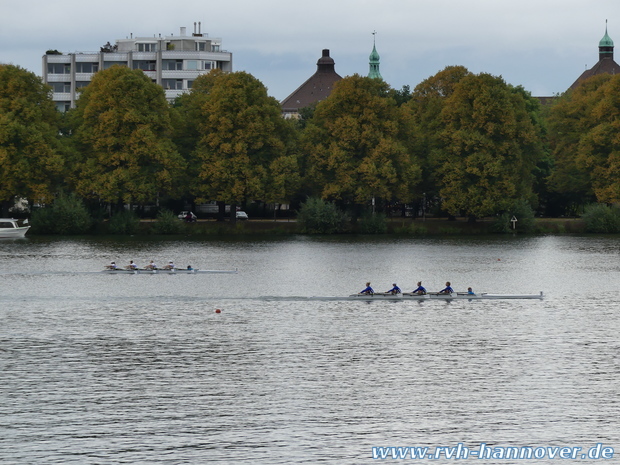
[{"x": 543, "y": 45}]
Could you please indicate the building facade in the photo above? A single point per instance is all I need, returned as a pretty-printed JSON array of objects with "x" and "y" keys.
[{"x": 173, "y": 62}]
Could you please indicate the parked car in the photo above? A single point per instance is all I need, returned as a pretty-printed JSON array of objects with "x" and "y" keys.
[
  {"x": 189, "y": 217},
  {"x": 242, "y": 215}
]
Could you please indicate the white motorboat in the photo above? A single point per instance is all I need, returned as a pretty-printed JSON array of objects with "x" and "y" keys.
[
  {"x": 455, "y": 295},
  {"x": 166, "y": 271},
  {"x": 9, "y": 227}
]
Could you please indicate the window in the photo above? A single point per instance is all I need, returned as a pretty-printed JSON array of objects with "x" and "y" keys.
[
  {"x": 144, "y": 65},
  {"x": 201, "y": 46},
  {"x": 60, "y": 87},
  {"x": 172, "y": 65},
  {"x": 192, "y": 65},
  {"x": 215, "y": 48},
  {"x": 147, "y": 47},
  {"x": 86, "y": 67},
  {"x": 81, "y": 84},
  {"x": 190, "y": 83},
  {"x": 172, "y": 84},
  {"x": 58, "y": 68}
]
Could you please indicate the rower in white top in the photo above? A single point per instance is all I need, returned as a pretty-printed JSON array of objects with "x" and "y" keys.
[{"x": 169, "y": 266}]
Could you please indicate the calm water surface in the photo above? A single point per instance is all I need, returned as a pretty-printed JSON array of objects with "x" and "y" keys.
[{"x": 98, "y": 369}]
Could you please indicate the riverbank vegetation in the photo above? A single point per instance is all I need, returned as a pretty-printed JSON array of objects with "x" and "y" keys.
[{"x": 368, "y": 159}]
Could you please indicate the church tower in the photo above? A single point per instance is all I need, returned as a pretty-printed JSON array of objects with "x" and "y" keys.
[
  {"x": 374, "y": 61},
  {"x": 606, "y": 63}
]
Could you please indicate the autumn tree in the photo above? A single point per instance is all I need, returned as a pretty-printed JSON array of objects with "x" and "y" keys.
[
  {"x": 31, "y": 155},
  {"x": 243, "y": 140},
  {"x": 423, "y": 123},
  {"x": 488, "y": 147},
  {"x": 584, "y": 127},
  {"x": 353, "y": 145},
  {"x": 122, "y": 133}
]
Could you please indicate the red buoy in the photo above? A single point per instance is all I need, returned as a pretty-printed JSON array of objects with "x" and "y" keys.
[{"x": 217, "y": 310}]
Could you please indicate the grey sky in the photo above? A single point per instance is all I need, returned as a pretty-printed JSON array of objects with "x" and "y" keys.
[{"x": 543, "y": 45}]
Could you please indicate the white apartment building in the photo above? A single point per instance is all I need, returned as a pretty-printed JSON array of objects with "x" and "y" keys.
[{"x": 172, "y": 62}]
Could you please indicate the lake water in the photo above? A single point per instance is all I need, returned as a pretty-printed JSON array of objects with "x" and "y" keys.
[{"x": 140, "y": 369}]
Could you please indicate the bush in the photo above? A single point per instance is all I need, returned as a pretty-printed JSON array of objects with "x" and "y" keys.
[
  {"x": 524, "y": 214},
  {"x": 317, "y": 216},
  {"x": 67, "y": 215},
  {"x": 124, "y": 222},
  {"x": 167, "y": 223},
  {"x": 373, "y": 224},
  {"x": 600, "y": 218}
]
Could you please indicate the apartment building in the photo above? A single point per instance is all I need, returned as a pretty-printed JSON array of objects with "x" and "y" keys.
[{"x": 173, "y": 62}]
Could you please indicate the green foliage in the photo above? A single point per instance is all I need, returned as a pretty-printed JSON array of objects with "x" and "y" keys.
[
  {"x": 124, "y": 222},
  {"x": 31, "y": 153},
  {"x": 67, "y": 215},
  {"x": 489, "y": 147},
  {"x": 240, "y": 133},
  {"x": 122, "y": 135},
  {"x": 316, "y": 216},
  {"x": 372, "y": 223},
  {"x": 411, "y": 228},
  {"x": 354, "y": 145},
  {"x": 583, "y": 128},
  {"x": 167, "y": 223},
  {"x": 601, "y": 218},
  {"x": 524, "y": 214}
]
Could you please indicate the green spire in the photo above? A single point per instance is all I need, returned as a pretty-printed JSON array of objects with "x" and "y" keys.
[
  {"x": 374, "y": 61},
  {"x": 606, "y": 40}
]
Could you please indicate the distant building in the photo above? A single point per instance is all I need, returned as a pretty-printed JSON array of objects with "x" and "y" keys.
[
  {"x": 374, "y": 72},
  {"x": 173, "y": 62},
  {"x": 605, "y": 64},
  {"x": 316, "y": 88}
]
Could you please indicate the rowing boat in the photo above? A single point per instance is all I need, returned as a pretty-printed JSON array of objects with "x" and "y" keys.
[
  {"x": 165, "y": 271},
  {"x": 453, "y": 296}
]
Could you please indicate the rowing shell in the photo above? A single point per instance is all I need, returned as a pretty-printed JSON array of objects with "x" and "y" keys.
[
  {"x": 163, "y": 271},
  {"x": 456, "y": 295}
]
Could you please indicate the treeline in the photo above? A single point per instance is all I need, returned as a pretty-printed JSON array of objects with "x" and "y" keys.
[{"x": 459, "y": 144}]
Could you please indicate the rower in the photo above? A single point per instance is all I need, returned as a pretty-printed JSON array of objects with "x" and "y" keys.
[
  {"x": 131, "y": 266},
  {"x": 112, "y": 266},
  {"x": 169, "y": 266},
  {"x": 368, "y": 290},
  {"x": 420, "y": 290},
  {"x": 447, "y": 290},
  {"x": 151, "y": 266},
  {"x": 394, "y": 290},
  {"x": 470, "y": 292}
]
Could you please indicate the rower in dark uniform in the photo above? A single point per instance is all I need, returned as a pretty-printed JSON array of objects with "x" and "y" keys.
[
  {"x": 368, "y": 290},
  {"x": 447, "y": 290}
]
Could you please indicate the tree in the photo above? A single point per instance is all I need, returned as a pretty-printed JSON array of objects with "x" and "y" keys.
[
  {"x": 31, "y": 154},
  {"x": 353, "y": 146},
  {"x": 122, "y": 129},
  {"x": 584, "y": 127},
  {"x": 242, "y": 135},
  {"x": 489, "y": 147},
  {"x": 568, "y": 122},
  {"x": 423, "y": 123}
]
